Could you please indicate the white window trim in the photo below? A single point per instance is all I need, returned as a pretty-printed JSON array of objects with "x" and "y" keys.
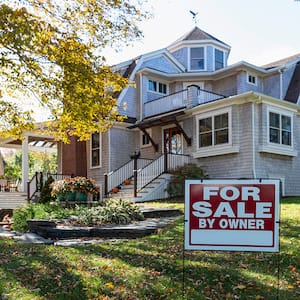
[
  {"x": 249, "y": 82},
  {"x": 100, "y": 152},
  {"x": 158, "y": 82},
  {"x": 284, "y": 113},
  {"x": 220, "y": 149},
  {"x": 141, "y": 138},
  {"x": 198, "y": 83},
  {"x": 214, "y": 58},
  {"x": 204, "y": 57},
  {"x": 275, "y": 148}
]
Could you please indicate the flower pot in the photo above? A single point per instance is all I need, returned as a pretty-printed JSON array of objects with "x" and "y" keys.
[
  {"x": 71, "y": 196},
  {"x": 82, "y": 197}
]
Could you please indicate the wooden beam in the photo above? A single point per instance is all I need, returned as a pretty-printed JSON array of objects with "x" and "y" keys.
[
  {"x": 186, "y": 137},
  {"x": 155, "y": 146}
]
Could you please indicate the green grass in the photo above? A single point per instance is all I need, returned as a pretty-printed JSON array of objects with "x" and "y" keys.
[{"x": 153, "y": 268}]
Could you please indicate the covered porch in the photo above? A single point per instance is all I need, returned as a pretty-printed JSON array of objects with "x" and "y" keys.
[{"x": 31, "y": 141}]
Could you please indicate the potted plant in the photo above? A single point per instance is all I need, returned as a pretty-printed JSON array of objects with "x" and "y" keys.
[{"x": 76, "y": 188}]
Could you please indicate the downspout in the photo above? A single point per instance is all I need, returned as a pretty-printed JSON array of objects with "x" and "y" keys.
[
  {"x": 253, "y": 143},
  {"x": 141, "y": 96},
  {"x": 281, "y": 84}
]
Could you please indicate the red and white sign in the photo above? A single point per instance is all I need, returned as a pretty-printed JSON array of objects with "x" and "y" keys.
[{"x": 235, "y": 215}]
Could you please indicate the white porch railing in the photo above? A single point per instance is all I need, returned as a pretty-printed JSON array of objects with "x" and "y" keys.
[
  {"x": 166, "y": 104},
  {"x": 163, "y": 164},
  {"x": 192, "y": 96},
  {"x": 115, "y": 178},
  {"x": 204, "y": 96}
]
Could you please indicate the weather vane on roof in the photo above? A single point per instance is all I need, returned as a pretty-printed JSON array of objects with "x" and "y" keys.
[{"x": 194, "y": 14}]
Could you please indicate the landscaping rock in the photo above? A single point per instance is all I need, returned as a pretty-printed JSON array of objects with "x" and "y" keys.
[{"x": 33, "y": 238}]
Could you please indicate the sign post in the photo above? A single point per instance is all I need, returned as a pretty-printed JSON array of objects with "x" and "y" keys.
[{"x": 233, "y": 215}]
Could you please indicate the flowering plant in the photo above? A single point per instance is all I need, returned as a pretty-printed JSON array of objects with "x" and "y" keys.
[{"x": 76, "y": 184}]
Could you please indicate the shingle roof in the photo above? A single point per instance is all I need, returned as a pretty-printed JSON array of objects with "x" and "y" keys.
[
  {"x": 198, "y": 34},
  {"x": 293, "y": 90},
  {"x": 281, "y": 62}
]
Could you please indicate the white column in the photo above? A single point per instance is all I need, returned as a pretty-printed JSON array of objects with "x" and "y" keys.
[{"x": 24, "y": 164}]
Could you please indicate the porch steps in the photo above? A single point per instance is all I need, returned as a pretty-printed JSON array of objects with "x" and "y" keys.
[
  {"x": 125, "y": 192},
  {"x": 153, "y": 191},
  {"x": 12, "y": 200}
]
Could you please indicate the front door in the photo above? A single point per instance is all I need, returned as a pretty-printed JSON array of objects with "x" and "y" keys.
[{"x": 173, "y": 140}]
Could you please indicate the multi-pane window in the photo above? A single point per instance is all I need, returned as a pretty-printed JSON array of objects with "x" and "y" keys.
[
  {"x": 157, "y": 87},
  {"x": 219, "y": 59},
  {"x": 95, "y": 150},
  {"x": 197, "y": 58},
  {"x": 251, "y": 79},
  {"x": 214, "y": 130},
  {"x": 280, "y": 129}
]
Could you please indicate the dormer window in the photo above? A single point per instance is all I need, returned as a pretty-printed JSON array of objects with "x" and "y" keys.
[
  {"x": 219, "y": 59},
  {"x": 197, "y": 59}
]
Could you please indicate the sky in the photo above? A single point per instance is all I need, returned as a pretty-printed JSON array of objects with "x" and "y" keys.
[{"x": 258, "y": 31}]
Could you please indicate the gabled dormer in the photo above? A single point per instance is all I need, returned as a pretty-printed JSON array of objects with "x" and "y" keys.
[{"x": 199, "y": 51}]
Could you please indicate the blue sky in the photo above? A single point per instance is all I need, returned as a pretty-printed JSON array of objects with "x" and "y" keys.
[{"x": 258, "y": 31}]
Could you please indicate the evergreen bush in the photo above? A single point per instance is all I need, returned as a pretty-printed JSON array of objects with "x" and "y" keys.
[{"x": 175, "y": 186}]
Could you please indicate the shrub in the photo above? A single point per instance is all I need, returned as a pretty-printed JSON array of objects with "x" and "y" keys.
[
  {"x": 175, "y": 187},
  {"x": 111, "y": 211},
  {"x": 46, "y": 196},
  {"x": 20, "y": 217}
]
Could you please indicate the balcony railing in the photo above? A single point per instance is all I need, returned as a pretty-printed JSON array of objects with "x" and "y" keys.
[
  {"x": 190, "y": 97},
  {"x": 166, "y": 103}
]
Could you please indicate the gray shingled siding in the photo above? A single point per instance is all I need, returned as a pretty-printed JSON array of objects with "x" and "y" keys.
[
  {"x": 149, "y": 151},
  {"x": 236, "y": 165},
  {"x": 160, "y": 63},
  {"x": 123, "y": 142},
  {"x": 279, "y": 166},
  {"x": 226, "y": 86},
  {"x": 243, "y": 85},
  {"x": 182, "y": 56},
  {"x": 128, "y": 105}
]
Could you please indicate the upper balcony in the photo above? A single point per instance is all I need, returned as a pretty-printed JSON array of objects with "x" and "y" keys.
[{"x": 190, "y": 97}]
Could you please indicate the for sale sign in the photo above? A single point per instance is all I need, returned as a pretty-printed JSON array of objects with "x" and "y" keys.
[{"x": 241, "y": 215}]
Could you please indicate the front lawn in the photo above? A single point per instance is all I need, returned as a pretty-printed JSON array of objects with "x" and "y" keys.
[{"x": 153, "y": 268}]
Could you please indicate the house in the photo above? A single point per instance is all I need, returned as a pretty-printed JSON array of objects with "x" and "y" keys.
[{"x": 187, "y": 104}]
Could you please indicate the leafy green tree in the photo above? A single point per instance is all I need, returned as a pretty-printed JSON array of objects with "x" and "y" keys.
[
  {"x": 54, "y": 51},
  {"x": 37, "y": 162}
]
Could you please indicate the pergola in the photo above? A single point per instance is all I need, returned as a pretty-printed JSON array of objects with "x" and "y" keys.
[{"x": 31, "y": 141}]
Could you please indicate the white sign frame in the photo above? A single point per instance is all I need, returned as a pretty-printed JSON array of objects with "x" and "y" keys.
[{"x": 254, "y": 238}]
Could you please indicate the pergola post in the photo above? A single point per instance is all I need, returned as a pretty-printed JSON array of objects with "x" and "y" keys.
[{"x": 24, "y": 163}]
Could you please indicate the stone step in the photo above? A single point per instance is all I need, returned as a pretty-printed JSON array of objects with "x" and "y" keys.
[
  {"x": 12, "y": 199},
  {"x": 154, "y": 220},
  {"x": 128, "y": 231}
]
